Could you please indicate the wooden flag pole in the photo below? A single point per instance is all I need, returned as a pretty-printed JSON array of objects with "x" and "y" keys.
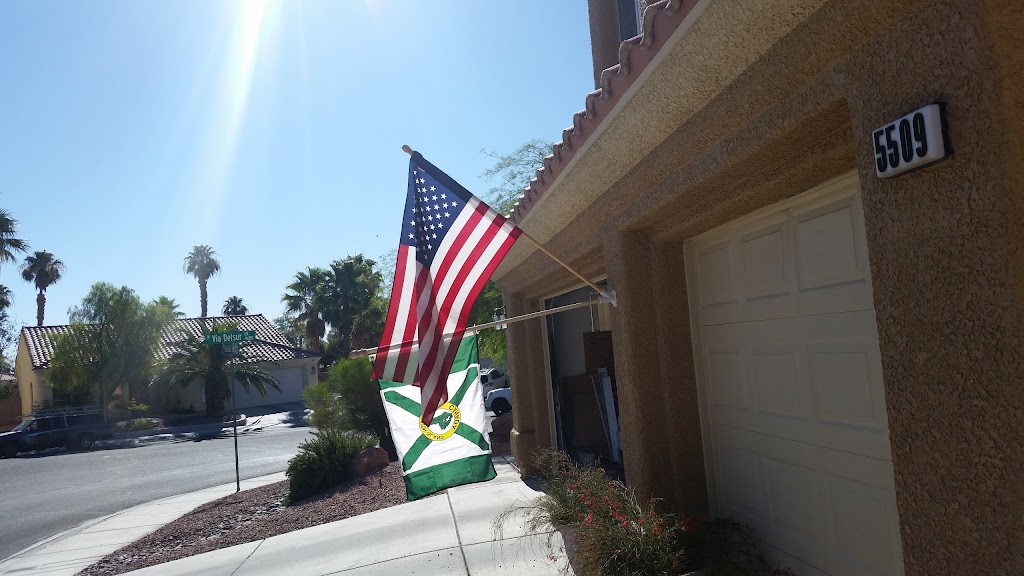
[
  {"x": 503, "y": 321},
  {"x": 539, "y": 246}
]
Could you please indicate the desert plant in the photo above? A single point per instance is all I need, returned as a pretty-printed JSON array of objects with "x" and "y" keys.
[
  {"x": 140, "y": 424},
  {"x": 617, "y": 534},
  {"x": 323, "y": 461}
]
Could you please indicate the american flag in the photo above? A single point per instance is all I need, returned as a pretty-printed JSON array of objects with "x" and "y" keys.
[{"x": 451, "y": 243}]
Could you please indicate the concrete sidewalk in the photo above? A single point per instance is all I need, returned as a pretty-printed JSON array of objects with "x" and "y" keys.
[
  {"x": 448, "y": 534},
  {"x": 74, "y": 549}
]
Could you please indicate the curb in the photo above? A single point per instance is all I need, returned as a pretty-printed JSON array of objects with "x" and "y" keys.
[{"x": 89, "y": 523}]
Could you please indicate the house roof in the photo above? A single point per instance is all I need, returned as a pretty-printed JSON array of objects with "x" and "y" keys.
[
  {"x": 660, "y": 20},
  {"x": 270, "y": 344}
]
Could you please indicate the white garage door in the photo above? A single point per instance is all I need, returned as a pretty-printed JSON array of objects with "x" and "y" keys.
[
  {"x": 793, "y": 403},
  {"x": 291, "y": 389}
]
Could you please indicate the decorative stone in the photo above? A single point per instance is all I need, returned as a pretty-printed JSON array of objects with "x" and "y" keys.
[{"x": 369, "y": 460}]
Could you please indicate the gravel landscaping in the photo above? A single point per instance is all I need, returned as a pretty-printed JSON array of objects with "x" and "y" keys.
[
  {"x": 253, "y": 515},
  {"x": 260, "y": 513}
]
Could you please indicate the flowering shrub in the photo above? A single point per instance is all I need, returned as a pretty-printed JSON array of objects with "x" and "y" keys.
[{"x": 617, "y": 535}]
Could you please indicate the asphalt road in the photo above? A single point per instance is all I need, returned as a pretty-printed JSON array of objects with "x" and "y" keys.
[{"x": 43, "y": 495}]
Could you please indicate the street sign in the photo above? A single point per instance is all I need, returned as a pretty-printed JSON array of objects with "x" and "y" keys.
[
  {"x": 231, "y": 337},
  {"x": 230, "y": 349}
]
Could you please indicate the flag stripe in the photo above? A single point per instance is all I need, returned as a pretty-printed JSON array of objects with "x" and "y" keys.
[
  {"x": 384, "y": 363},
  {"x": 439, "y": 360},
  {"x": 449, "y": 240}
]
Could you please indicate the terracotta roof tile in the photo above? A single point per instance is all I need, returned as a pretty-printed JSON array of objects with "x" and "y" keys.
[
  {"x": 270, "y": 344},
  {"x": 660, "y": 20}
]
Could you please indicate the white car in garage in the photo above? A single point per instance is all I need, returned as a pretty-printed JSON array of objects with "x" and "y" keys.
[
  {"x": 492, "y": 379},
  {"x": 499, "y": 401}
]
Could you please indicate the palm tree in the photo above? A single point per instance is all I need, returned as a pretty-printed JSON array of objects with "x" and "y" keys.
[
  {"x": 352, "y": 285},
  {"x": 9, "y": 244},
  {"x": 202, "y": 264},
  {"x": 171, "y": 305},
  {"x": 304, "y": 300},
  {"x": 43, "y": 270},
  {"x": 234, "y": 306},
  {"x": 195, "y": 361},
  {"x": 5, "y": 299}
]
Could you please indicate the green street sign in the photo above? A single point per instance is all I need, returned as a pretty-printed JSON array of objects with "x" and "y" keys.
[{"x": 231, "y": 337}]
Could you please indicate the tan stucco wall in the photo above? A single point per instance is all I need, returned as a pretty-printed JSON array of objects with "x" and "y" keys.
[
  {"x": 31, "y": 383},
  {"x": 946, "y": 247}
]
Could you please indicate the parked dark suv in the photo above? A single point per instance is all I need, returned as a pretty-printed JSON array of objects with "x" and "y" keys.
[{"x": 73, "y": 430}]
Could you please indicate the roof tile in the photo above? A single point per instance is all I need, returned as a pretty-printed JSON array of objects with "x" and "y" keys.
[
  {"x": 660, "y": 20},
  {"x": 270, "y": 345}
]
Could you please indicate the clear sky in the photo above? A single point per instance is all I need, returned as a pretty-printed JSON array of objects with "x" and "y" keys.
[{"x": 132, "y": 130}]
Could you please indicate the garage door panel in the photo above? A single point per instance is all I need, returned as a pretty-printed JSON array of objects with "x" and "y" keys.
[
  {"x": 826, "y": 243},
  {"x": 864, "y": 522},
  {"x": 810, "y": 259},
  {"x": 794, "y": 399},
  {"x": 290, "y": 380},
  {"x": 794, "y": 378},
  {"x": 764, "y": 250},
  {"x": 740, "y": 486},
  {"x": 785, "y": 476},
  {"x": 833, "y": 510},
  {"x": 727, "y": 373}
]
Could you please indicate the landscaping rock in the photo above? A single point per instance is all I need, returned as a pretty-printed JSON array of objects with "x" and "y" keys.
[{"x": 369, "y": 460}]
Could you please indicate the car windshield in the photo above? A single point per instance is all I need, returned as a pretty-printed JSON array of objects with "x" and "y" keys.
[{"x": 22, "y": 426}]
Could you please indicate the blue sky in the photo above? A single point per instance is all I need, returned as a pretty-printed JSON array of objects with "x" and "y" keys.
[{"x": 131, "y": 130}]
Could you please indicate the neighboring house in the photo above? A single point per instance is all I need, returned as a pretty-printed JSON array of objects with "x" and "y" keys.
[
  {"x": 835, "y": 357},
  {"x": 294, "y": 368}
]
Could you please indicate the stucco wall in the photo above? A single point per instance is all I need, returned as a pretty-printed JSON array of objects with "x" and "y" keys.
[
  {"x": 31, "y": 385},
  {"x": 945, "y": 246}
]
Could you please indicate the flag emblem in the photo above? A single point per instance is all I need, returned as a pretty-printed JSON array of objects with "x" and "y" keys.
[
  {"x": 448, "y": 419},
  {"x": 454, "y": 448},
  {"x": 450, "y": 245}
]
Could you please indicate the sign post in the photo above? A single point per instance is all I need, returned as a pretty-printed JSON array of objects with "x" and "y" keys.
[{"x": 229, "y": 343}]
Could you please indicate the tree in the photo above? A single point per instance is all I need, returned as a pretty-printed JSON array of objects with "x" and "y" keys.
[
  {"x": 492, "y": 342},
  {"x": 9, "y": 242},
  {"x": 304, "y": 298},
  {"x": 291, "y": 328},
  {"x": 234, "y": 306},
  {"x": 202, "y": 263},
  {"x": 170, "y": 305},
  {"x": 194, "y": 361},
  {"x": 514, "y": 171},
  {"x": 109, "y": 345},
  {"x": 8, "y": 334},
  {"x": 43, "y": 270},
  {"x": 350, "y": 303}
]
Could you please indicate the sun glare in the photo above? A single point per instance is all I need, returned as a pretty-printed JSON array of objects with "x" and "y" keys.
[{"x": 231, "y": 90}]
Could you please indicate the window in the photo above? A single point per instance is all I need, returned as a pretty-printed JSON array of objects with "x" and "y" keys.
[
  {"x": 484, "y": 379},
  {"x": 630, "y": 22}
]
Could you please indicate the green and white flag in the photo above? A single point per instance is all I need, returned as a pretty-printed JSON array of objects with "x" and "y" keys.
[{"x": 455, "y": 449}]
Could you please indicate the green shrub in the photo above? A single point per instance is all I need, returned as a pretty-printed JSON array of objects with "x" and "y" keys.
[
  {"x": 328, "y": 412},
  {"x": 140, "y": 424},
  {"x": 6, "y": 390},
  {"x": 323, "y": 462},
  {"x": 350, "y": 400}
]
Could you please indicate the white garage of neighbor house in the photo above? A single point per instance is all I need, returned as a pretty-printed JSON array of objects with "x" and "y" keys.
[{"x": 293, "y": 367}]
